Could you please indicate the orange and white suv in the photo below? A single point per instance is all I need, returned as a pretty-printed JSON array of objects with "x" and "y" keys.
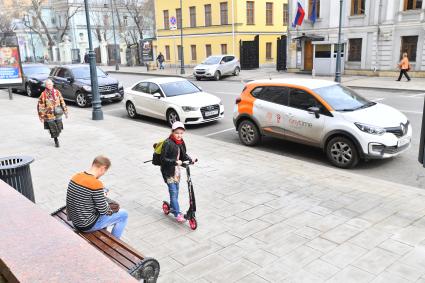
[{"x": 324, "y": 114}]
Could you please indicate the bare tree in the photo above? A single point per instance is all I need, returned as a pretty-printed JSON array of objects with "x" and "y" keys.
[
  {"x": 36, "y": 10},
  {"x": 6, "y": 21},
  {"x": 68, "y": 15},
  {"x": 142, "y": 14}
]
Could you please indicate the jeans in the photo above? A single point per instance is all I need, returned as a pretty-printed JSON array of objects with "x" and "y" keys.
[
  {"x": 161, "y": 65},
  {"x": 118, "y": 220},
  {"x": 173, "y": 189}
]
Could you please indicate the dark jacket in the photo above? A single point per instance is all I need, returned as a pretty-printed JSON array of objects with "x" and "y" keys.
[
  {"x": 160, "y": 58},
  {"x": 169, "y": 157}
]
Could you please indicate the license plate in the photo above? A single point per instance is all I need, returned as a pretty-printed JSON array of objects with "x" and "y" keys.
[
  {"x": 403, "y": 141},
  {"x": 211, "y": 113},
  {"x": 109, "y": 95}
]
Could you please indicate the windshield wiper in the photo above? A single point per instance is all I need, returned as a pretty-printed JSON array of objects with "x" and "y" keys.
[
  {"x": 367, "y": 105},
  {"x": 346, "y": 110}
]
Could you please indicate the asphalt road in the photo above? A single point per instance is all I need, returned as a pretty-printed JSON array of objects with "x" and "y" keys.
[{"x": 403, "y": 169}]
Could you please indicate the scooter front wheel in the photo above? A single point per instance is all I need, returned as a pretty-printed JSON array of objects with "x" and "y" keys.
[
  {"x": 166, "y": 208},
  {"x": 193, "y": 224}
]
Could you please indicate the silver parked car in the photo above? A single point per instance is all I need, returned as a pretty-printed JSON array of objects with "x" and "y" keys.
[{"x": 217, "y": 66}]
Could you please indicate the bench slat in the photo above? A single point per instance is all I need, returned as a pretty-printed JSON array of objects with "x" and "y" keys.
[
  {"x": 105, "y": 237},
  {"x": 108, "y": 251}
]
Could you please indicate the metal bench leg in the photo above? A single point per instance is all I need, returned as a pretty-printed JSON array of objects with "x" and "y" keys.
[{"x": 147, "y": 270}]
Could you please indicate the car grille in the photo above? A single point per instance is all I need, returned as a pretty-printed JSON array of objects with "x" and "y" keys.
[
  {"x": 108, "y": 89},
  {"x": 394, "y": 149},
  {"x": 400, "y": 130},
  {"x": 210, "y": 108},
  {"x": 200, "y": 72}
]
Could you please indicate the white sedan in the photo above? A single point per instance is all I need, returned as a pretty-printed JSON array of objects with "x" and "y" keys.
[{"x": 172, "y": 99}]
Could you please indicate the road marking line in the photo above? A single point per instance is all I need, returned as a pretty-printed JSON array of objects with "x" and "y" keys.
[
  {"x": 417, "y": 95},
  {"x": 216, "y": 133},
  {"x": 222, "y": 92},
  {"x": 411, "y": 112},
  {"x": 378, "y": 99}
]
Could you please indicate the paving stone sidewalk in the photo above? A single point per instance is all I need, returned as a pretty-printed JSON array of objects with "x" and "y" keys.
[{"x": 262, "y": 217}]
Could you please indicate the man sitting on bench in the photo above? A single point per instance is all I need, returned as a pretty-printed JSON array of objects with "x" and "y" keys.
[{"x": 86, "y": 202}]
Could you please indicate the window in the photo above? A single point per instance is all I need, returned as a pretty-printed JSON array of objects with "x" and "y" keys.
[
  {"x": 224, "y": 13},
  {"x": 192, "y": 12},
  {"x": 105, "y": 20},
  {"x": 357, "y": 7},
  {"x": 285, "y": 14},
  {"x": 61, "y": 73},
  {"x": 207, "y": 15},
  {"x": 341, "y": 98},
  {"x": 166, "y": 20},
  {"x": 167, "y": 52},
  {"x": 412, "y": 4},
  {"x": 179, "y": 52},
  {"x": 302, "y": 100},
  {"x": 224, "y": 49},
  {"x": 274, "y": 94},
  {"x": 355, "y": 49},
  {"x": 142, "y": 87},
  {"x": 322, "y": 51},
  {"x": 125, "y": 20},
  {"x": 310, "y": 8},
  {"x": 154, "y": 88},
  {"x": 193, "y": 51},
  {"x": 409, "y": 45},
  {"x": 208, "y": 50},
  {"x": 177, "y": 88},
  {"x": 249, "y": 12},
  {"x": 268, "y": 50},
  {"x": 269, "y": 13},
  {"x": 179, "y": 18}
]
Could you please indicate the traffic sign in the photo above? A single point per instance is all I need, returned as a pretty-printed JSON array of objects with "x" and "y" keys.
[{"x": 173, "y": 23}]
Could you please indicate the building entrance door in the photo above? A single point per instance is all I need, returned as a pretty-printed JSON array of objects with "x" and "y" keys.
[{"x": 308, "y": 55}]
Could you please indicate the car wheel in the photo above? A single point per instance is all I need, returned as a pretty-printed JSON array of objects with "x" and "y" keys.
[
  {"x": 237, "y": 71},
  {"x": 198, "y": 78},
  {"x": 81, "y": 99},
  {"x": 172, "y": 117},
  {"x": 217, "y": 76},
  {"x": 28, "y": 90},
  {"x": 249, "y": 133},
  {"x": 342, "y": 152},
  {"x": 131, "y": 110}
]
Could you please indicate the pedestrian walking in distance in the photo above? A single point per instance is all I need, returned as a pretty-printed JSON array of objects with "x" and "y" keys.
[
  {"x": 160, "y": 60},
  {"x": 51, "y": 107},
  {"x": 404, "y": 66}
]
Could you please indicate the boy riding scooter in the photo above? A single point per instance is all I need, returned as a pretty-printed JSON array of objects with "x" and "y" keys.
[{"x": 173, "y": 155}]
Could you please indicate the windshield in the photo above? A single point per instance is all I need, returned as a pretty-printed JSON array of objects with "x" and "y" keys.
[
  {"x": 341, "y": 98},
  {"x": 179, "y": 88},
  {"x": 36, "y": 70},
  {"x": 84, "y": 73},
  {"x": 212, "y": 60}
]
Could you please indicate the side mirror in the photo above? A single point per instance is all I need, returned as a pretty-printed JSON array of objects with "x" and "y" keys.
[
  {"x": 157, "y": 95},
  {"x": 314, "y": 110},
  {"x": 106, "y": 73},
  {"x": 69, "y": 79}
]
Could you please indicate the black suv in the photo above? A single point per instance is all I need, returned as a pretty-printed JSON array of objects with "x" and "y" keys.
[
  {"x": 34, "y": 77},
  {"x": 73, "y": 81}
]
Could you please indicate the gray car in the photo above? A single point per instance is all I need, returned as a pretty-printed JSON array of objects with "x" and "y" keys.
[{"x": 217, "y": 66}]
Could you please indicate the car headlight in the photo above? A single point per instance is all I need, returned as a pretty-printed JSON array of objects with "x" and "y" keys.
[
  {"x": 87, "y": 88},
  {"x": 370, "y": 129},
  {"x": 120, "y": 85},
  {"x": 189, "y": 108}
]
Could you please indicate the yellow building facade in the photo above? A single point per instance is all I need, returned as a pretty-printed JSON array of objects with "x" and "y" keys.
[{"x": 213, "y": 27}]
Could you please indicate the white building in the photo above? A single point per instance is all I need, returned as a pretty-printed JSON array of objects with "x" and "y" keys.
[{"x": 374, "y": 34}]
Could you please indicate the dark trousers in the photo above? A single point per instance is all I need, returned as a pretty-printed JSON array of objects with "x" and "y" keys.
[
  {"x": 403, "y": 72},
  {"x": 54, "y": 126}
]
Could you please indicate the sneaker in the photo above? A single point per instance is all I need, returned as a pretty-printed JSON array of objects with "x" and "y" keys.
[{"x": 180, "y": 218}]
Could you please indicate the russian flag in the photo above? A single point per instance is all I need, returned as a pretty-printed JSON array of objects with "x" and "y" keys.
[{"x": 299, "y": 17}]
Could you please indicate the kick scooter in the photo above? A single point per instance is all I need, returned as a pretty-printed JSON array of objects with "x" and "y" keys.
[{"x": 190, "y": 214}]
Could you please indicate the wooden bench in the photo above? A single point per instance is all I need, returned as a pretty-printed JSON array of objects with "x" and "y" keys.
[{"x": 137, "y": 265}]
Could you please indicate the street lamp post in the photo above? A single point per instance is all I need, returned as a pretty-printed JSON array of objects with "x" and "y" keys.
[
  {"x": 27, "y": 21},
  {"x": 338, "y": 55},
  {"x": 97, "y": 113},
  {"x": 117, "y": 67},
  {"x": 181, "y": 41}
]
